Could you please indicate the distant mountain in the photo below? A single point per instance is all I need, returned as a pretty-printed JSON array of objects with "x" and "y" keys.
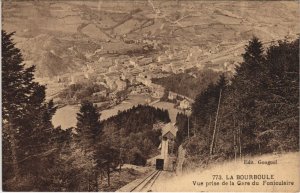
[
  {"x": 57, "y": 36},
  {"x": 51, "y": 55}
]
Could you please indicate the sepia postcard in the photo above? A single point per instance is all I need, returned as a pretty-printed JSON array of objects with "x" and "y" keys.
[{"x": 150, "y": 96}]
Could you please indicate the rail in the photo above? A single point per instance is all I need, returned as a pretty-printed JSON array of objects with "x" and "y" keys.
[{"x": 146, "y": 184}]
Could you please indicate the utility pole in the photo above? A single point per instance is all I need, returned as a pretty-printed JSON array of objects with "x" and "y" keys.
[
  {"x": 234, "y": 145},
  {"x": 234, "y": 139},
  {"x": 195, "y": 126},
  {"x": 240, "y": 132},
  {"x": 188, "y": 113},
  {"x": 188, "y": 127},
  {"x": 120, "y": 161},
  {"x": 215, "y": 127},
  {"x": 209, "y": 122}
]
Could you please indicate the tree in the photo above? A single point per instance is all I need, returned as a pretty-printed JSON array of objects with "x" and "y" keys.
[
  {"x": 182, "y": 125},
  {"x": 245, "y": 90},
  {"x": 277, "y": 110},
  {"x": 253, "y": 58},
  {"x": 205, "y": 110},
  {"x": 258, "y": 111},
  {"x": 16, "y": 86},
  {"x": 75, "y": 169},
  {"x": 108, "y": 158},
  {"x": 135, "y": 131},
  {"x": 88, "y": 125},
  {"x": 88, "y": 132},
  {"x": 27, "y": 128}
]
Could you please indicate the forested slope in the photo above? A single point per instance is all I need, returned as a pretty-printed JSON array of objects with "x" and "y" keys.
[
  {"x": 189, "y": 83},
  {"x": 255, "y": 112},
  {"x": 136, "y": 132},
  {"x": 39, "y": 157}
]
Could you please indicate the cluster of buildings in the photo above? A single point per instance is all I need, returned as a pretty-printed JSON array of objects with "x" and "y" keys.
[
  {"x": 147, "y": 86},
  {"x": 151, "y": 41},
  {"x": 118, "y": 73},
  {"x": 125, "y": 71},
  {"x": 184, "y": 103}
]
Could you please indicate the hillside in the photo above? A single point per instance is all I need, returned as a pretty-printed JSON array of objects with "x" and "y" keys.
[
  {"x": 63, "y": 36},
  {"x": 189, "y": 84},
  {"x": 136, "y": 132}
]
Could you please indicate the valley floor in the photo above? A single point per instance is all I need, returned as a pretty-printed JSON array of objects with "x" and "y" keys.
[{"x": 66, "y": 116}]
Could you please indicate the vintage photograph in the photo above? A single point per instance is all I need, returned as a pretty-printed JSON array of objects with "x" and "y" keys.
[{"x": 150, "y": 96}]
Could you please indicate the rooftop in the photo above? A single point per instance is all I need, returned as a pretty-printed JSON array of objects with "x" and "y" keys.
[{"x": 170, "y": 127}]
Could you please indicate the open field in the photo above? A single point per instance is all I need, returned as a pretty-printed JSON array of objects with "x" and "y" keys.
[
  {"x": 170, "y": 107},
  {"x": 66, "y": 116}
]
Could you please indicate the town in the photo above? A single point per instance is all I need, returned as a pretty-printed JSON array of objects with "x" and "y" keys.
[{"x": 150, "y": 96}]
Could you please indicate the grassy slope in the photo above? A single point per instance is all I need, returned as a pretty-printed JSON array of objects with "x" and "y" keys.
[{"x": 286, "y": 169}]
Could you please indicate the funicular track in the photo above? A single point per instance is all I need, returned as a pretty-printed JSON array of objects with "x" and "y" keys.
[{"x": 146, "y": 184}]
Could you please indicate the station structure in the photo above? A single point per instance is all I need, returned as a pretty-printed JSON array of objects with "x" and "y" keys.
[{"x": 167, "y": 147}]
